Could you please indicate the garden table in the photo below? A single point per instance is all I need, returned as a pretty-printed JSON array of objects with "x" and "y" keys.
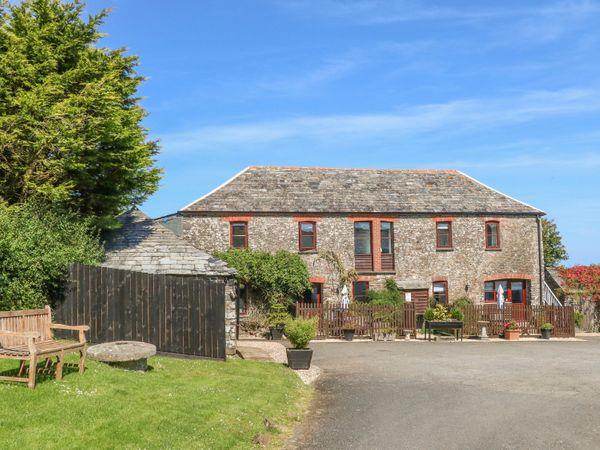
[{"x": 455, "y": 325}]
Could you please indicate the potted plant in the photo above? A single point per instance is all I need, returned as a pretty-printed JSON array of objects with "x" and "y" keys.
[
  {"x": 300, "y": 332},
  {"x": 512, "y": 331},
  {"x": 277, "y": 318},
  {"x": 546, "y": 330},
  {"x": 349, "y": 328},
  {"x": 384, "y": 321}
]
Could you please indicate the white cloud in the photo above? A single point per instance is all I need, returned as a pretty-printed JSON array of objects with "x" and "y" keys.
[{"x": 453, "y": 116}]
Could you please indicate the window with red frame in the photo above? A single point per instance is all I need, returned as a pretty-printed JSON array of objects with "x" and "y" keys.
[
  {"x": 307, "y": 239},
  {"x": 514, "y": 291},
  {"x": 238, "y": 232},
  {"x": 492, "y": 234},
  {"x": 443, "y": 235},
  {"x": 360, "y": 289}
]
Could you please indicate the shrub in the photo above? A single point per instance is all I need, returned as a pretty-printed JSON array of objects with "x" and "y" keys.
[
  {"x": 301, "y": 331},
  {"x": 547, "y": 326},
  {"x": 462, "y": 301},
  {"x": 278, "y": 315},
  {"x": 579, "y": 319},
  {"x": 255, "y": 321},
  {"x": 37, "y": 243},
  {"x": 457, "y": 314},
  {"x": 278, "y": 277},
  {"x": 390, "y": 295},
  {"x": 438, "y": 313}
]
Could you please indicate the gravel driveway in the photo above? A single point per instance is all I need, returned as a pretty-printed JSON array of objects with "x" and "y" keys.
[{"x": 452, "y": 395}]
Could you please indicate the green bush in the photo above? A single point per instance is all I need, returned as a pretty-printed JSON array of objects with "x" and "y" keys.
[
  {"x": 301, "y": 331},
  {"x": 579, "y": 319},
  {"x": 278, "y": 315},
  {"x": 390, "y": 295},
  {"x": 438, "y": 313},
  {"x": 462, "y": 301},
  {"x": 547, "y": 326},
  {"x": 457, "y": 314},
  {"x": 36, "y": 246},
  {"x": 278, "y": 277}
]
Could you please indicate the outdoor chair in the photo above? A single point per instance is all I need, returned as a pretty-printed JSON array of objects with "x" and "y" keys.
[{"x": 28, "y": 336}]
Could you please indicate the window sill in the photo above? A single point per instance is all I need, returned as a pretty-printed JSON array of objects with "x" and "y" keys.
[
  {"x": 367, "y": 272},
  {"x": 444, "y": 249},
  {"x": 307, "y": 252},
  {"x": 493, "y": 249}
]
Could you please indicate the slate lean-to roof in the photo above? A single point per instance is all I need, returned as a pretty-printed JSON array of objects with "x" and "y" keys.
[
  {"x": 144, "y": 245},
  {"x": 269, "y": 189}
]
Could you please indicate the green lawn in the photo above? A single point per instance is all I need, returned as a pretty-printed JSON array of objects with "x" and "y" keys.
[{"x": 180, "y": 403}]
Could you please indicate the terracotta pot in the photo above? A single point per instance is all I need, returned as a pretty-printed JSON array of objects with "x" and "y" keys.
[{"x": 512, "y": 335}]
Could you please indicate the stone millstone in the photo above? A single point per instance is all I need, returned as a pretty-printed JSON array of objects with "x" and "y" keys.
[{"x": 131, "y": 355}]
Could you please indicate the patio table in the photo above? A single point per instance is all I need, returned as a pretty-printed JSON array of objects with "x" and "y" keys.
[{"x": 455, "y": 325}]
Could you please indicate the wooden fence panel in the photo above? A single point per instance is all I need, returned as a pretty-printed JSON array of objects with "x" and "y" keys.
[
  {"x": 178, "y": 314},
  {"x": 369, "y": 319},
  {"x": 366, "y": 319},
  {"x": 529, "y": 318}
]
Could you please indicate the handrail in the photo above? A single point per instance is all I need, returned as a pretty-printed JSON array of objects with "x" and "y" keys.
[{"x": 548, "y": 296}]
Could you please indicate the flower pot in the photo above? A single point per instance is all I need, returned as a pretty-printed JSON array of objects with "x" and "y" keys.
[
  {"x": 299, "y": 358},
  {"x": 348, "y": 335},
  {"x": 512, "y": 335},
  {"x": 389, "y": 337},
  {"x": 276, "y": 333},
  {"x": 546, "y": 334}
]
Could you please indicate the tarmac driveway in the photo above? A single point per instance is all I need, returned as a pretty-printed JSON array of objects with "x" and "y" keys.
[{"x": 453, "y": 395}]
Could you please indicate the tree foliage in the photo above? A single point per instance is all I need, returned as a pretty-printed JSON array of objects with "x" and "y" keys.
[
  {"x": 582, "y": 281},
  {"x": 70, "y": 119},
  {"x": 390, "y": 295},
  {"x": 277, "y": 277},
  {"x": 37, "y": 244},
  {"x": 554, "y": 250}
]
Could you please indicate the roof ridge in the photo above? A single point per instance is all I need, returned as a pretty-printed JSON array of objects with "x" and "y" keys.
[{"x": 365, "y": 169}]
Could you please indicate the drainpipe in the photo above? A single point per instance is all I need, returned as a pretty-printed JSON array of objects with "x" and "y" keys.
[{"x": 540, "y": 256}]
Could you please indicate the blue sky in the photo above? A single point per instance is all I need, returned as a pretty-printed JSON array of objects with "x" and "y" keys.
[{"x": 508, "y": 92}]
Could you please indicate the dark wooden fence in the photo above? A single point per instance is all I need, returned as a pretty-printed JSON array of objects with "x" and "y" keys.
[
  {"x": 529, "y": 318},
  {"x": 178, "y": 314},
  {"x": 366, "y": 319},
  {"x": 369, "y": 319}
]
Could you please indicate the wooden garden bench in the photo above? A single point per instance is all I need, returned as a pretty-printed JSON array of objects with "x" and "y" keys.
[{"x": 28, "y": 336}]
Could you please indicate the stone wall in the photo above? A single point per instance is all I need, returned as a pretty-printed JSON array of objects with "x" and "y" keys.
[
  {"x": 231, "y": 295},
  {"x": 416, "y": 257}
]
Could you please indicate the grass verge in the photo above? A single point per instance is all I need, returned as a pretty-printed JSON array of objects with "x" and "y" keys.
[{"x": 180, "y": 403}]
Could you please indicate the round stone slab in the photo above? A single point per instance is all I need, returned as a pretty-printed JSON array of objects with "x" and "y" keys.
[{"x": 131, "y": 355}]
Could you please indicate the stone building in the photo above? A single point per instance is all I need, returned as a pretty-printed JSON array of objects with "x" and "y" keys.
[
  {"x": 145, "y": 245},
  {"x": 438, "y": 233}
]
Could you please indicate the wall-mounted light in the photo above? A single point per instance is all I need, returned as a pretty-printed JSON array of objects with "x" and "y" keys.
[{"x": 467, "y": 287}]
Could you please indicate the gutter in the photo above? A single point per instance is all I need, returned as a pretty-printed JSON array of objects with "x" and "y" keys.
[{"x": 540, "y": 255}]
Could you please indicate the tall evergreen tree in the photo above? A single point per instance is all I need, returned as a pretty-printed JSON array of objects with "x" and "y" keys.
[
  {"x": 70, "y": 120},
  {"x": 554, "y": 250}
]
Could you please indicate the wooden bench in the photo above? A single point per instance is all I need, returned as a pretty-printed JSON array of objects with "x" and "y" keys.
[{"x": 28, "y": 336}]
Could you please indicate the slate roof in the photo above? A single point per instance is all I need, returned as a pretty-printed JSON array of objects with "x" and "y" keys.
[
  {"x": 144, "y": 245},
  {"x": 270, "y": 189}
]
